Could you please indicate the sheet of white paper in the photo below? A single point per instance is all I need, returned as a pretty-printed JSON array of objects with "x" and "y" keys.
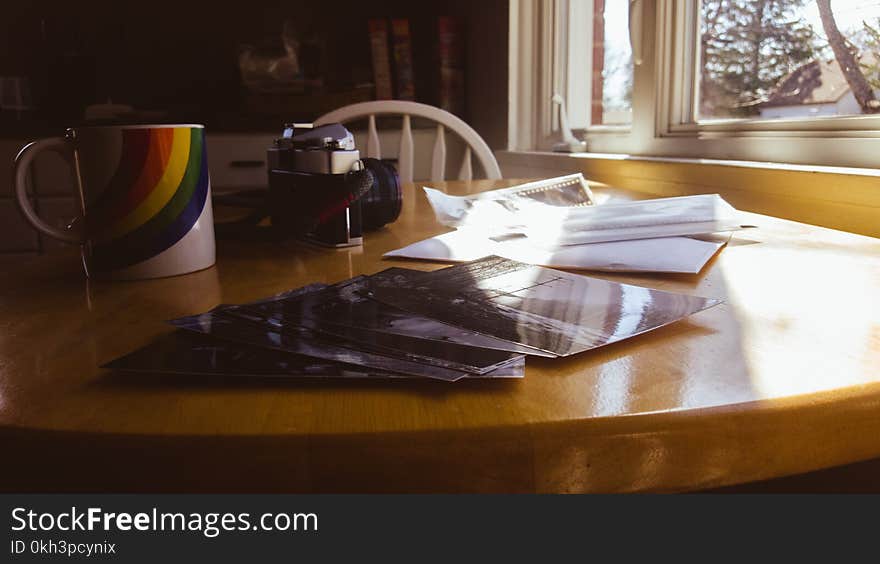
[
  {"x": 668, "y": 254},
  {"x": 496, "y": 214}
]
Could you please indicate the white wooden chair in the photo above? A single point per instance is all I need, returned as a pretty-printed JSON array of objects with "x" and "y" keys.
[{"x": 474, "y": 144}]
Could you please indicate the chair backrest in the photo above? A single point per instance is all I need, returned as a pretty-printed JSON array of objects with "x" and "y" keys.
[{"x": 474, "y": 144}]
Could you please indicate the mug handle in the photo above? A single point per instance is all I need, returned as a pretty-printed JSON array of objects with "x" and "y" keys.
[{"x": 19, "y": 176}]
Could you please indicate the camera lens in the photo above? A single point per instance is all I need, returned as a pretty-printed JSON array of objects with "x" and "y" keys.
[{"x": 380, "y": 205}]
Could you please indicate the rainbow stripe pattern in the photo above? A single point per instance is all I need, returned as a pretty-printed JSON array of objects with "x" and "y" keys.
[{"x": 153, "y": 199}]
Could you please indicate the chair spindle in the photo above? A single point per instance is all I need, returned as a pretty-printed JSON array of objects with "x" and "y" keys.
[
  {"x": 466, "y": 172},
  {"x": 438, "y": 161},
  {"x": 405, "y": 158},
  {"x": 374, "y": 151}
]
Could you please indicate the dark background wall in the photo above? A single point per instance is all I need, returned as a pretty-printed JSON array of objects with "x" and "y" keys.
[{"x": 180, "y": 57}]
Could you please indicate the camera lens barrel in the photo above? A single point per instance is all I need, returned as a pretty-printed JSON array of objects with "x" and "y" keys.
[{"x": 381, "y": 204}]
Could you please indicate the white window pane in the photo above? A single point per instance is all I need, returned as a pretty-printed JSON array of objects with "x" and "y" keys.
[
  {"x": 782, "y": 59},
  {"x": 613, "y": 68}
]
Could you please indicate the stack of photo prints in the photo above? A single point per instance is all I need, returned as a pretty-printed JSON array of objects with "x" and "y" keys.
[{"x": 478, "y": 319}]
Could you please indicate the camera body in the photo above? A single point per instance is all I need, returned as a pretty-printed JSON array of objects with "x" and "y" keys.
[
  {"x": 322, "y": 191},
  {"x": 316, "y": 179}
]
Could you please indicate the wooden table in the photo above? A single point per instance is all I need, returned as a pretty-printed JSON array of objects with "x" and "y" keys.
[{"x": 784, "y": 377}]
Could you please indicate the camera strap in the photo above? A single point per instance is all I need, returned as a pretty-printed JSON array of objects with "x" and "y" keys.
[{"x": 356, "y": 184}]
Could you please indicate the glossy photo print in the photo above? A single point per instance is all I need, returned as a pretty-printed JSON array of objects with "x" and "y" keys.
[
  {"x": 222, "y": 325},
  {"x": 192, "y": 354},
  {"x": 547, "y": 309},
  {"x": 351, "y": 306},
  {"x": 340, "y": 311}
]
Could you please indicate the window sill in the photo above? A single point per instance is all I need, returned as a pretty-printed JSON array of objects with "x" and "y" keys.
[
  {"x": 844, "y": 198},
  {"x": 548, "y": 159}
]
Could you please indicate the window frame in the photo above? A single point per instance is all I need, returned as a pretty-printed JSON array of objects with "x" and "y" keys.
[{"x": 665, "y": 91}]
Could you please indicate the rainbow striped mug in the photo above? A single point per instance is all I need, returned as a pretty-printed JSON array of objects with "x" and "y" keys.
[{"x": 144, "y": 195}]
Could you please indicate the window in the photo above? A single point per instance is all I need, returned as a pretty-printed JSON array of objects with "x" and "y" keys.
[
  {"x": 792, "y": 81},
  {"x": 612, "y": 74},
  {"x": 768, "y": 59}
]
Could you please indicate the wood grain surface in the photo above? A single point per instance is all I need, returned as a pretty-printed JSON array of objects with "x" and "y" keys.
[{"x": 782, "y": 378}]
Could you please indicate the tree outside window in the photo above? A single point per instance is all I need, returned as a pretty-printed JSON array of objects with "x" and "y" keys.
[{"x": 789, "y": 58}]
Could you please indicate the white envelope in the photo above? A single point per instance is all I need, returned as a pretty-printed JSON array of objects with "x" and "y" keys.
[
  {"x": 499, "y": 215},
  {"x": 668, "y": 254}
]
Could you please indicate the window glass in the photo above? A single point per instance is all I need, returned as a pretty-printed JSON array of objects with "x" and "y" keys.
[
  {"x": 612, "y": 64},
  {"x": 769, "y": 59}
]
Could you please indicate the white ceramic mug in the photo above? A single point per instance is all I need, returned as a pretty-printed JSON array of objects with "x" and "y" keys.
[{"x": 144, "y": 198}]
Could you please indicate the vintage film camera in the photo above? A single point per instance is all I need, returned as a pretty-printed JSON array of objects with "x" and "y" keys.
[{"x": 321, "y": 190}]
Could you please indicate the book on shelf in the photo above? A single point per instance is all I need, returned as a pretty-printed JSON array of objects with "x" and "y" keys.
[
  {"x": 381, "y": 58},
  {"x": 403, "y": 61},
  {"x": 451, "y": 59}
]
